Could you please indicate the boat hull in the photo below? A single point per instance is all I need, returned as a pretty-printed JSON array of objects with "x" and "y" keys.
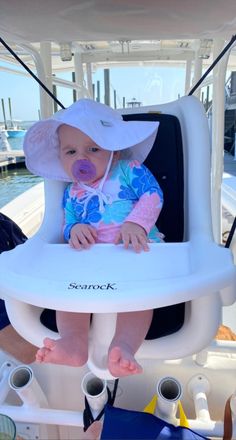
[{"x": 16, "y": 133}]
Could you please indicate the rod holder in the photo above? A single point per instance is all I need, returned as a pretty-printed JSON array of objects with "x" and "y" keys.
[
  {"x": 23, "y": 382},
  {"x": 95, "y": 390},
  {"x": 169, "y": 392},
  {"x": 5, "y": 370}
]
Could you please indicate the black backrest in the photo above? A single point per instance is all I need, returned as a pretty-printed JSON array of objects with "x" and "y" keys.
[{"x": 165, "y": 161}]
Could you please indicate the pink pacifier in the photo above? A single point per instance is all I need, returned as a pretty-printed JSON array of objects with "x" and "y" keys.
[{"x": 83, "y": 170}]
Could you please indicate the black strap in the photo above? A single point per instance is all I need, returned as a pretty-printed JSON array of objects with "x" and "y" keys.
[
  {"x": 88, "y": 418},
  {"x": 30, "y": 72},
  {"x": 213, "y": 65},
  {"x": 231, "y": 234},
  {"x": 113, "y": 396}
]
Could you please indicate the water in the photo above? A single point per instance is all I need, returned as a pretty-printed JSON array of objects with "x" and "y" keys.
[{"x": 15, "y": 182}]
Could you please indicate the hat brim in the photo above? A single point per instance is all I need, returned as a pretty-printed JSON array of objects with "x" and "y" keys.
[{"x": 41, "y": 143}]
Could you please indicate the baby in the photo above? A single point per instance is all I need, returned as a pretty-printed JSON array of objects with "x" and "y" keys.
[{"x": 112, "y": 198}]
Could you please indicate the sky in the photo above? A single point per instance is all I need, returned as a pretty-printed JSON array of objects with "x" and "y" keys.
[{"x": 149, "y": 85}]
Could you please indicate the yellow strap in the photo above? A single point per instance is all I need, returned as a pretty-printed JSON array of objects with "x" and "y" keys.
[
  {"x": 151, "y": 406},
  {"x": 183, "y": 421}
]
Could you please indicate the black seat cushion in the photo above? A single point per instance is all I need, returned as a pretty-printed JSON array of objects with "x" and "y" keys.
[{"x": 165, "y": 161}]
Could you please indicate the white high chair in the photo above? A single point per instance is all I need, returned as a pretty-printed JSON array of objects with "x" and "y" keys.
[{"x": 106, "y": 279}]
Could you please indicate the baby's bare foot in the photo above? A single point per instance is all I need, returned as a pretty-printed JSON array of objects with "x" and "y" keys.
[
  {"x": 65, "y": 351},
  {"x": 41, "y": 354},
  {"x": 121, "y": 362}
]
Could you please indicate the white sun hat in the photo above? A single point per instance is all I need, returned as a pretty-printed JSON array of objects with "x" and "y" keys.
[{"x": 101, "y": 123}]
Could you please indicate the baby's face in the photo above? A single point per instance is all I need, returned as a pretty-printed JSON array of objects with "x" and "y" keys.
[{"x": 75, "y": 145}]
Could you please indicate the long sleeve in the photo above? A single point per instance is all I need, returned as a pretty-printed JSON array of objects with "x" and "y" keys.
[
  {"x": 150, "y": 197},
  {"x": 70, "y": 219}
]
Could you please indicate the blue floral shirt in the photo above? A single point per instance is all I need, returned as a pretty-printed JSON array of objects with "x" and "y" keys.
[{"x": 133, "y": 194}]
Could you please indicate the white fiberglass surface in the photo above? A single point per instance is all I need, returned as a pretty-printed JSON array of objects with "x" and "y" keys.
[
  {"x": 103, "y": 20},
  {"x": 100, "y": 262}
]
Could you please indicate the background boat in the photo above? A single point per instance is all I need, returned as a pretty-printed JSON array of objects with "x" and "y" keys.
[
  {"x": 16, "y": 132},
  {"x": 11, "y": 126}
]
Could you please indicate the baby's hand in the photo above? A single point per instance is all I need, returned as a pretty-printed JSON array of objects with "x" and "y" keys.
[
  {"x": 82, "y": 236},
  {"x": 134, "y": 234}
]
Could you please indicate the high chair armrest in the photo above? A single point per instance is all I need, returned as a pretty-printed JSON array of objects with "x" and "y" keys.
[{"x": 109, "y": 278}]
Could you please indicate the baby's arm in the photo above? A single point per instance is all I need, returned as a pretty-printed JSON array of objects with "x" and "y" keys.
[
  {"x": 82, "y": 236},
  {"x": 79, "y": 235},
  {"x": 145, "y": 212},
  {"x": 134, "y": 234},
  {"x": 149, "y": 194}
]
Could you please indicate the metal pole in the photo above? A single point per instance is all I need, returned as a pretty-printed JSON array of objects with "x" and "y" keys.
[
  {"x": 79, "y": 73},
  {"x": 98, "y": 91},
  {"x": 107, "y": 86},
  {"x": 188, "y": 75},
  {"x": 74, "y": 91},
  {"x": 218, "y": 106},
  {"x": 4, "y": 114},
  {"x": 89, "y": 79},
  {"x": 197, "y": 73},
  {"x": 10, "y": 112},
  {"x": 54, "y": 91},
  {"x": 45, "y": 100},
  {"x": 207, "y": 98}
]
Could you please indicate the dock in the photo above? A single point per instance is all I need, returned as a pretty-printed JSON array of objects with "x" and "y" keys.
[{"x": 11, "y": 158}]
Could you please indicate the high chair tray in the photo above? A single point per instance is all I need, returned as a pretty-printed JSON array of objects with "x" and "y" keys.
[{"x": 110, "y": 278}]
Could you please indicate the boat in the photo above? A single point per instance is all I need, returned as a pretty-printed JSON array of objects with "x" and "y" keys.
[
  {"x": 12, "y": 128},
  {"x": 189, "y": 366},
  {"x": 15, "y": 132}
]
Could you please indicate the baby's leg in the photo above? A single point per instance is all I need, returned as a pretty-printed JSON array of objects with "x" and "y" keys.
[
  {"x": 72, "y": 347},
  {"x": 131, "y": 329}
]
